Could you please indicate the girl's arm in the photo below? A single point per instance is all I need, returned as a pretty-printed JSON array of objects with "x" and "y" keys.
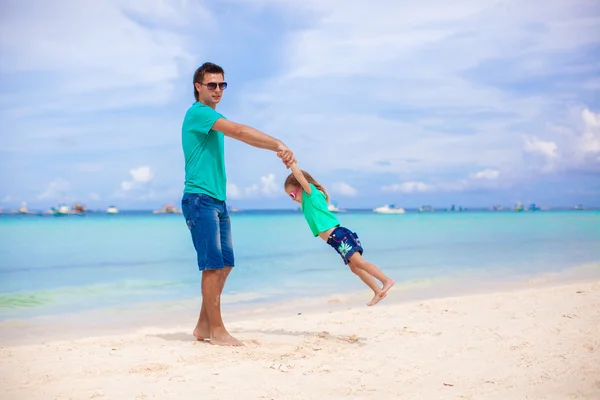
[{"x": 300, "y": 177}]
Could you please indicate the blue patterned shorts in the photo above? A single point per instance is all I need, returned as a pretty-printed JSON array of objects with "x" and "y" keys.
[{"x": 345, "y": 242}]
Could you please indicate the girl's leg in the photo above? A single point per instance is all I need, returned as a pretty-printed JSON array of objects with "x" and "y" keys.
[
  {"x": 366, "y": 278},
  {"x": 358, "y": 262}
]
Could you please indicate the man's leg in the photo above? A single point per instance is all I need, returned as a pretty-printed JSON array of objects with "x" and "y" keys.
[
  {"x": 204, "y": 219},
  {"x": 202, "y": 330},
  {"x": 190, "y": 207},
  {"x": 213, "y": 282},
  {"x": 219, "y": 334}
]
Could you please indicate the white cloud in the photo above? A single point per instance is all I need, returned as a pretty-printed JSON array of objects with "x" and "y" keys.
[
  {"x": 268, "y": 185},
  {"x": 233, "y": 191},
  {"x": 124, "y": 64},
  {"x": 437, "y": 84},
  {"x": 140, "y": 176},
  {"x": 408, "y": 187},
  {"x": 428, "y": 87},
  {"x": 236, "y": 192},
  {"x": 486, "y": 174},
  {"x": 535, "y": 145},
  {"x": 55, "y": 190},
  {"x": 590, "y": 139},
  {"x": 485, "y": 179},
  {"x": 343, "y": 189},
  {"x": 574, "y": 146}
]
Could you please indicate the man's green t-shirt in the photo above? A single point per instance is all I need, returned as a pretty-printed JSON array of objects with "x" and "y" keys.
[
  {"x": 316, "y": 211},
  {"x": 204, "y": 152}
]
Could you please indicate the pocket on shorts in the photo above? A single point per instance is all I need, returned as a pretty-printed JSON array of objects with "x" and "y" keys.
[
  {"x": 356, "y": 240},
  {"x": 186, "y": 203}
]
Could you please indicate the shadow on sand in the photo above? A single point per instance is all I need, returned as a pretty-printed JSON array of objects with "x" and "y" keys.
[{"x": 188, "y": 337}]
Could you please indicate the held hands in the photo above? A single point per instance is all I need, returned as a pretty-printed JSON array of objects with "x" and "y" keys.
[{"x": 286, "y": 155}]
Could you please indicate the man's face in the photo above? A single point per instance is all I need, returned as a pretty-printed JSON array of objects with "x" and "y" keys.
[{"x": 211, "y": 89}]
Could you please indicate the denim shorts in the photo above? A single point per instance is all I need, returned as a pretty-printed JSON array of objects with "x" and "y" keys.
[
  {"x": 345, "y": 242},
  {"x": 208, "y": 221}
]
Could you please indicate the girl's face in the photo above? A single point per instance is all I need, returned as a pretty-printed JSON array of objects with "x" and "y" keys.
[{"x": 295, "y": 193}]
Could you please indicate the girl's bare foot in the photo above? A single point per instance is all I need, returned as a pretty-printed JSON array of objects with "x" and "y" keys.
[{"x": 377, "y": 298}]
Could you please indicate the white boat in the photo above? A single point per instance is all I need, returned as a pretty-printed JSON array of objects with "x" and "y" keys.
[
  {"x": 112, "y": 210},
  {"x": 389, "y": 209},
  {"x": 61, "y": 210},
  {"x": 23, "y": 209},
  {"x": 334, "y": 208}
]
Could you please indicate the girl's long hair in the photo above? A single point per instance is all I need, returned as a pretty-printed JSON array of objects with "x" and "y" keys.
[{"x": 292, "y": 181}]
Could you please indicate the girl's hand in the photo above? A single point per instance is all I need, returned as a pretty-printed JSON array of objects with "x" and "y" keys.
[{"x": 286, "y": 155}]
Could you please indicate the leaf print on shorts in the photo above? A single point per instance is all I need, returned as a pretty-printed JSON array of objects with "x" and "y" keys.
[{"x": 344, "y": 248}]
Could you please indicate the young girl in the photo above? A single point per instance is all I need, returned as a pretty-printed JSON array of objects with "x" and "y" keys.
[{"x": 313, "y": 197}]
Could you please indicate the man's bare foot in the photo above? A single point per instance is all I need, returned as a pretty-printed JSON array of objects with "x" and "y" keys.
[
  {"x": 377, "y": 298},
  {"x": 202, "y": 332},
  {"x": 225, "y": 340},
  {"x": 387, "y": 285}
]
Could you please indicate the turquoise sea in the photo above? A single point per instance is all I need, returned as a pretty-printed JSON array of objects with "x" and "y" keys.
[{"x": 57, "y": 265}]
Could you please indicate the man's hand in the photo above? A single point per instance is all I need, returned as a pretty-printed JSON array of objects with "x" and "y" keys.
[{"x": 286, "y": 155}]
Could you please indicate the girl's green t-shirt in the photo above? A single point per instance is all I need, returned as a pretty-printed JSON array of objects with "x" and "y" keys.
[{"x": 316, "y": 211}]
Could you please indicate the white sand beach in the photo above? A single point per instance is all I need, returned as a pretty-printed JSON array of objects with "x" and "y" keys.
[{"x": 535, "y": 342}]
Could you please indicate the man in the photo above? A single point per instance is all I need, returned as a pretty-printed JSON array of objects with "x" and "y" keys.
[{"x": 203, "y": 201}]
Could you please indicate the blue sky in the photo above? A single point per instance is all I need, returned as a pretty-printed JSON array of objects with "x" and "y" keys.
[{"x": 470, "y": 102}]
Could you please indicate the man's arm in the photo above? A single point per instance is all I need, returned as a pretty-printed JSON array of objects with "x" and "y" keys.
[{"x": 254, "y": 137}]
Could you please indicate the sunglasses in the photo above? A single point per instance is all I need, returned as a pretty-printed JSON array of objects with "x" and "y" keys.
[
  {"x": 213, "y": 85},
  {"x": 294, "y": 193}
]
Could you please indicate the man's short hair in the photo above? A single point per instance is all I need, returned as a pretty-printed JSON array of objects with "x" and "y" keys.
[{"x": 206, "y": 68}]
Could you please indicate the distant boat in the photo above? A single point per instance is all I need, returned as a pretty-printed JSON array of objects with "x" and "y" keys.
[
  {"x": 112, "y": 210},
  {"x": 425, "y": 208},
  {"x": 61, "y": 210},
  {"x": 23, "y": 209},
  {"x": 519, "y": 207},
  {"x": 579, "y": 207},
  {"x": 79, "y": 209},
  {"x": 497, "y": 207},
  {"x": 453, "y": 208},
  {"x": 389, "y": 209},
  {"x": 332, "y": 207},
  {"x": 167, "y": 209}
]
